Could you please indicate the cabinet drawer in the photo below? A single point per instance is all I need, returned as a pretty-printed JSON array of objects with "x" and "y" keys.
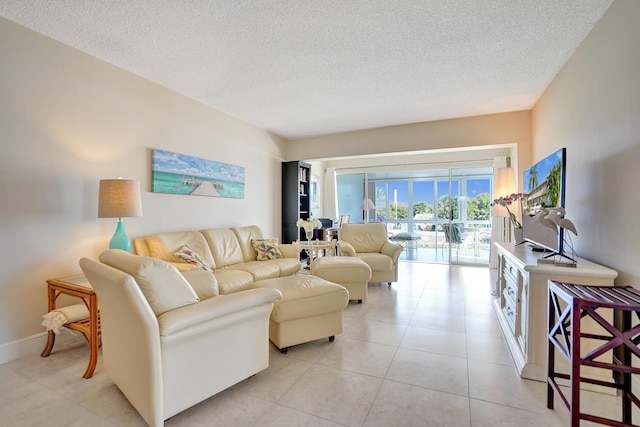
[
  {"x": 511, "y": 291},
  {"x": 510, "y": 273},
  {"x": 509, "y": 311}
]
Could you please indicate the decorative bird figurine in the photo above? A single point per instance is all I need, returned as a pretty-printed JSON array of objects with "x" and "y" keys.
[
  {"x": 543, "y": 218},
  {"x": 557, "y": 216}
]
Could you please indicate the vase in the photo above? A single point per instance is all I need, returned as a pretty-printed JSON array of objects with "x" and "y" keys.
[
  {"x": 309, "y": 234},
  {"x": 517, "y": 235}
]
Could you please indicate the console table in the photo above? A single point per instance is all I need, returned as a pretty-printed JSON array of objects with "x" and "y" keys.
[{"x": 521, "y": 301}]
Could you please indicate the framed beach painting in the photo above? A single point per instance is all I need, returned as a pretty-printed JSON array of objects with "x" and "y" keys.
[{"x": 175, "y": 173}]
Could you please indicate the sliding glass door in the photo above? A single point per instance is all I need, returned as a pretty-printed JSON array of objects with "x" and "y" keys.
[{"x": 438, "y": 215}]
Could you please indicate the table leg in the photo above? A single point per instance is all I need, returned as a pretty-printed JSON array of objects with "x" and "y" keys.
[
  {"x": 51, "y": 337},
  {"x": 575, "y": 363},
  {"x": 627, "y": 358},
  {"x": 93, "y": 337},
  {"x": 551, "y": 368}
]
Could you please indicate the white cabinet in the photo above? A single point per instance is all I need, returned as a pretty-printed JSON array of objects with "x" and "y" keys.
[{"x": 521, "y": 301}]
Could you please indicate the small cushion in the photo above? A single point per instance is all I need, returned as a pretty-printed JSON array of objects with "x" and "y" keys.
[
  {"x": 164, "y": 245},
  {"x": 162, "y": 285},
  {"x": 186, "y": 254},
  {"x": 266, "y": 249}
]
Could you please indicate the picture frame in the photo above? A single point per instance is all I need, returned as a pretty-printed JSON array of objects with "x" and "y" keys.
[{"x": 174, "y": 173}]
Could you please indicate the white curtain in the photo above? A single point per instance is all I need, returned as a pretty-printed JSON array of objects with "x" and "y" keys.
[
  {"x": 498, "y": 223},
  {"x": 330, "y": 205}
]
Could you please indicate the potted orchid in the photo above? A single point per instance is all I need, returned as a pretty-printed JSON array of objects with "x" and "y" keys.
[
  {"x": 309, "y": 225},
  {"x": 506, "y": 202}
]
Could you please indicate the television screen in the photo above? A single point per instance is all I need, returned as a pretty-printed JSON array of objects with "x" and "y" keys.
[{"x": 544, "y": 186}]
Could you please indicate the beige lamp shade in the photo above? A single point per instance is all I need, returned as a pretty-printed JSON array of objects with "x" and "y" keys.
[
  {"x": 119, "y": 198},
  {"x": 504, "y": 185}
]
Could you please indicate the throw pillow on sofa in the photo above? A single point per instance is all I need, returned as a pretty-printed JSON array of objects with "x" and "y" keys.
[
  {"x": 186, "y": 254},
  {"x": 162, "y": 285},
  {"x": 266, "y": 249}
]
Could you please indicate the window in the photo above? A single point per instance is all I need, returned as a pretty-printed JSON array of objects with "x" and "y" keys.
[{"x": 422, "y": 201}]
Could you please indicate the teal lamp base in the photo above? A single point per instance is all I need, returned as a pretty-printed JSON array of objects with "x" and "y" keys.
[{"x": 120, "y": 240}]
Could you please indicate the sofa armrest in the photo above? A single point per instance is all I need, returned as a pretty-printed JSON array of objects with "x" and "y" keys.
[
  {"x": 392, "y": 250},
  {"x": 345, "y": 248},
  {"x": 213, "y": 308},
  {"x": 289, "y": 250}
]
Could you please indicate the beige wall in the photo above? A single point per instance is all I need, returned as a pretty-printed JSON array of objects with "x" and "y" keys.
[
  {"x": 68, "y": 120},
  {"x": 466, "y": 138},
  {"x": 443, "y": 143},
  {"x": 593, "y": 108}
]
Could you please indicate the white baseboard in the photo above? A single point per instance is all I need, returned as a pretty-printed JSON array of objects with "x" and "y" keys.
[{"x": 33, "y": 345}]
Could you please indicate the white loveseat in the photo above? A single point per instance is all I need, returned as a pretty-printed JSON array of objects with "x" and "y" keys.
[
  {"x": 228, "y": 250},
  {"x": 168, "y": 340}
]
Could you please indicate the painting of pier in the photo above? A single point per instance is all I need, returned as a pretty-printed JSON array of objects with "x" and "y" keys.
[{"x": 175, "y": 173}]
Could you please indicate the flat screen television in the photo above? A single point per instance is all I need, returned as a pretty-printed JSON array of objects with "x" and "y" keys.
[{"x": 544, "y": 187}]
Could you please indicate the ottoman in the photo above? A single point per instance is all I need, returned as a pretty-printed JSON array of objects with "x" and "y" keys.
[
  {"x": 310, "y": 309},
  {"x": 350, "y": 272}
]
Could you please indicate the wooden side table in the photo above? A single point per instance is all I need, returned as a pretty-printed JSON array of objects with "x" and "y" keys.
[{"x": 77, "y": 286}]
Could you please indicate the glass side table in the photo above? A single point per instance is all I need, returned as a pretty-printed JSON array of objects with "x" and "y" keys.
[{"x": 315, "y": 247}]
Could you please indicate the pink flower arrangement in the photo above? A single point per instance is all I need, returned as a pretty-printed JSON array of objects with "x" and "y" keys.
[{"x": 506, "y": 202}]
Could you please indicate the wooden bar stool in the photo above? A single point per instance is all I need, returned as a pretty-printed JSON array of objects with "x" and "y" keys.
[{"x": 564, "y": 334}]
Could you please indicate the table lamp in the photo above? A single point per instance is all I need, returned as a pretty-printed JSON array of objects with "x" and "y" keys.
[
  {"x": 367, "y": 205},
  {"x": 119, "y": 198},
  {"x": 504, "y": 185}
]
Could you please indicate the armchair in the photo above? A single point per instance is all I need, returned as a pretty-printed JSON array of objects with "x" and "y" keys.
[
  {"x": 370, "y": 243},
  {"x": 167, "y": 343}
]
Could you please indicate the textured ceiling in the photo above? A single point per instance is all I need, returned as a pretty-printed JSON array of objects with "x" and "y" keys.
[{"x": 301, "y": 67}]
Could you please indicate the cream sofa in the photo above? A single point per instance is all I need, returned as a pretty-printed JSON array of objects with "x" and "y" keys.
[
  {"x": 228, "y": 250},
  {"x": 310, "y": 308},
  {"x": 370, "y": 243},
  {"x": 168, "y": 340}
]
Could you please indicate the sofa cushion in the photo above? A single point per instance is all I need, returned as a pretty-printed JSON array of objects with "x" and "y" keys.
[
  {"x": 203, "y": 282},
  {"x": 162, "y": 285},
  {"x": 232, "y": 281},
  {"x": 258, "y": 269},
  {"x": 164, "y": 245},
  {"x": 186, "y": 254},
  {"x": 287, "y": 266},
  {"x": 377, "y": 261},
  {"x": 245, "y": 235},
  {"x": 224, "y": 246},
  {"x": 266, "y": 249}
]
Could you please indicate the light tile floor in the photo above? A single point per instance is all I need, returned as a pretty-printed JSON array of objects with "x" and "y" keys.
[{"x": 426, "y": 351}]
